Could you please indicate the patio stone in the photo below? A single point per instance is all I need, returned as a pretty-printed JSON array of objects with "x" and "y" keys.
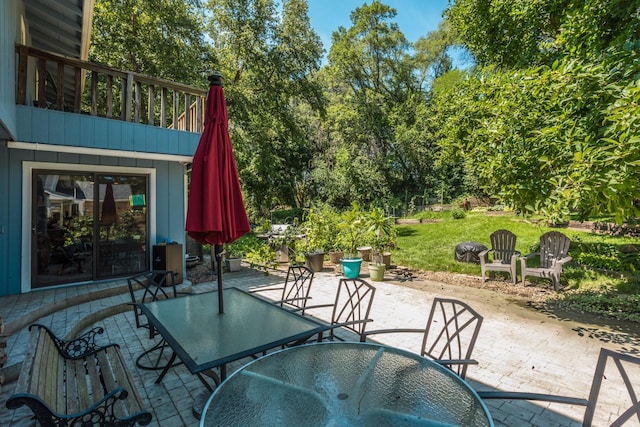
[{"x": 518, "y": 348}]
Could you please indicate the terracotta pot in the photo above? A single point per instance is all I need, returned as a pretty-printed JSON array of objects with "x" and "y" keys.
[
  {"x": 365, "y": 253},
  {"x": 315, "y": 261},
  {"x": 335, "y": 256}
]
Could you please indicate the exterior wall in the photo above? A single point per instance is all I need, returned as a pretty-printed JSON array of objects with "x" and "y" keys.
[
  {"x": 165, "y": 150},
  {"x": 8, "y": 22},
  {"x": 167, "y": 190},
  {"x": 42, "y": 126}
]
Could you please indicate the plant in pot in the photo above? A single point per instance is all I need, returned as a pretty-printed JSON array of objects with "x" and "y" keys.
[
  {"x": 351, "y": 232},
  {"x": 382, "y": 234},
  {"x": 315, "y": 228},
  {"x": 233, "y": 255}
]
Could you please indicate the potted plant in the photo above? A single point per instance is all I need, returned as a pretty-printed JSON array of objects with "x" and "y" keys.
[
  {"x": 351, "y": 231},
  {"x": 382, "y": 234},
  {"x": 315, "y": 232},
  {"x": 232, "y": 258}
]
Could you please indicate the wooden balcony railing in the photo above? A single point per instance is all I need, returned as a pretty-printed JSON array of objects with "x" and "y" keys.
[{"x": 58, "y": 82}]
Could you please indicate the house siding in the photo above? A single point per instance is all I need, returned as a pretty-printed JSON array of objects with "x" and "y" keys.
[
  {"x": 169, "y": 217},
  {"x": 30, "y": 137},
  {"x": 8, "y": 20},
  {"x": 43, "y": 126}
]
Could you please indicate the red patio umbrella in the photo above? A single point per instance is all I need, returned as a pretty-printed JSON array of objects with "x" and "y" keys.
[{"x": 215, "y": 212}]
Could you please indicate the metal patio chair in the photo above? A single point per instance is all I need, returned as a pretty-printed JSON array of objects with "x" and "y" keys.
[
  {"x": 155, "y": 285},
  {"x": 351, "y": 308},
  {"x": 503, "y": 254},
  {"x": 295, "y": 289},
  {"x": 554, "y": 247},
  {"x": 449, "y": 336},
  {"x": 620, "y": 361}
]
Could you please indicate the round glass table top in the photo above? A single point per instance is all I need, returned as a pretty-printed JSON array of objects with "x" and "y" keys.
[{"x": 344, "y": 384}]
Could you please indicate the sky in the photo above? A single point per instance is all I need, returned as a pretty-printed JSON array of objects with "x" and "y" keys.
[{"x": 414, "y": 17}]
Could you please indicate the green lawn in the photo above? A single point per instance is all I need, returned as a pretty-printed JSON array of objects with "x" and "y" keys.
[{"x": 603, "y": 276}]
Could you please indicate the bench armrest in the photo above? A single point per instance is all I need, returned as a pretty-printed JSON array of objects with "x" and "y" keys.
[
  {"x": 100, "y": 413},
  {"x": 78, "y": 347}
]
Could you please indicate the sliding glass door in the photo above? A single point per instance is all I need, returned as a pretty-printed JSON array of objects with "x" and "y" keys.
[{"x": 87, "y": 226}]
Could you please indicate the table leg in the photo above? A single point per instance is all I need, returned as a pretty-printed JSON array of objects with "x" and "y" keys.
[{"x": 166, "y": 368}]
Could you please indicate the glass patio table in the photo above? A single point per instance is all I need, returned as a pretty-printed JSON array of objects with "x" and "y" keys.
[
  {"x": 203, "y": 339},
  {"x": 344, "y": 384}
]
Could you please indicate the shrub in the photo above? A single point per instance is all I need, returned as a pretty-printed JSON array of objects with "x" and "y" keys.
[{"x": 457, "y": 213}]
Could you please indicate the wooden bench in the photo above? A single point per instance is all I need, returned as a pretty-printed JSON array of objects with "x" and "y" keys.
[{"x": 76, "y": 382}]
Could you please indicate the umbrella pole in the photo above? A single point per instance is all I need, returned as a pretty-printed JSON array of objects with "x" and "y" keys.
[{"x": 218, "y": 255}]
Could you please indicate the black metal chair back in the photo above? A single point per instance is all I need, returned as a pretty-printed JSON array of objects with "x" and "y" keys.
[
  {"x": 295, "y": 292},
  {"x": 351, "y": 309},
  {"x": 155, "y": 285}
]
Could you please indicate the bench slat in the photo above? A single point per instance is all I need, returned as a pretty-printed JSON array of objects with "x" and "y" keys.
[
  {"x": 98, "y": 390},
  {"x": 75, "y": 387},
  {"x": 50, "y": 367},
  {"x": 134, "y": 401},
  {"x": 114, "y": 376},
  {"x": 61, "y": 399}
]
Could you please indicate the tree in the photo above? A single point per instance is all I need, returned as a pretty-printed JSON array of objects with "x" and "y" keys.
[
  {"x": 269, "y": 60},
  {"x": 160, "y": 38}
]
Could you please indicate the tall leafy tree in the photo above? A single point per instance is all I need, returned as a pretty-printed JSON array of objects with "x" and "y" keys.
[
  {"x": 370, "y": 77},
  {"x": 548, "y": 130},
  {"x": 268, "y": 58},
  {"x": 160, "y": 38}
]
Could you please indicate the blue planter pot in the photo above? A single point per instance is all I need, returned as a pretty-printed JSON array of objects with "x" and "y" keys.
[{"x": 351, "y": 267}]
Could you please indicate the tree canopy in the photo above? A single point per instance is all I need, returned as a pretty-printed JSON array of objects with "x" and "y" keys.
[{"x": 546, "y": 120}]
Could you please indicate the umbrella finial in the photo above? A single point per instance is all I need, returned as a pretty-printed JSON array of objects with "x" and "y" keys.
[{"x": 215, "y": 79}]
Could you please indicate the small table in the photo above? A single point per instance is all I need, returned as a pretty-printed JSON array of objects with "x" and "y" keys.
[
  {"x": 204, "y": 339},
  {"x": 346, "y": 384}
]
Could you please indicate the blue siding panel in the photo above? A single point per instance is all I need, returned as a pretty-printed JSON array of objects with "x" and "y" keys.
[
  {"x": 57, "y": 127},
  {"x": 15, "y": 218},
  {"x": 4, "y": 218},
  {"x": 8, "y": 13},
  {"x": 79, "y": 130},
  {"x": 72, "y": 127}
]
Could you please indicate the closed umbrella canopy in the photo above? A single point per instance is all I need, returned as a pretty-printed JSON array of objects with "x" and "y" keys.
[{"x": 215, "y": 213}]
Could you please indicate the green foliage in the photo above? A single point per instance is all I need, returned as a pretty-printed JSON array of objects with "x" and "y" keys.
[
  {"x": 140, "y": 35},
  {"x": 352, "y": 229},
  {"x": 549, "y": 126},
  {"x": 286, "y": 216},
  {"x": 457, "y": 213},
  {"x": 268, "y": 58},
  {"x": 607, "y": 303},
  {"x": 321, "y": 228}
]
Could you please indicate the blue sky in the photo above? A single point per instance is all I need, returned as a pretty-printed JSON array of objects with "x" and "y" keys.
[{"x": 414, "y": 17}]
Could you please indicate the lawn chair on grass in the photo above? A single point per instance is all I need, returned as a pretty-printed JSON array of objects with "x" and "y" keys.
[
  {"x": 554, "y": 247},
  {"x": 503, "y": 254}
]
